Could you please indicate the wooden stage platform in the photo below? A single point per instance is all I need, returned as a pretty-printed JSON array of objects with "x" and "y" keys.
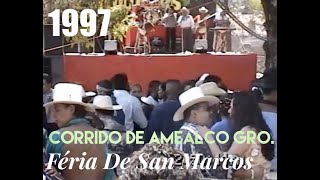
[{"x": 236, "y": 70}]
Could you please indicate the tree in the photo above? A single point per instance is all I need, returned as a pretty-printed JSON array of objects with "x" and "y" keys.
[
  {"x": 118, "y": 25},
  {"x": 270, "y": 46}
]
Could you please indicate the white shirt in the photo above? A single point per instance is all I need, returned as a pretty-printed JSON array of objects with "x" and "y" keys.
[
  {"x": 132, "y": 109},
  {"x": 186, "y": 21},
  {"x": 170, "y": 21}
]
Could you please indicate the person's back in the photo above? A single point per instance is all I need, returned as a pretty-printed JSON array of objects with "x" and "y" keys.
[
  {"x": 223, "y": 125},
  {"x": 118, "y": 114},
  {"x": 132, "y": 109},
  {"x": 97, "y": 151},
  {"x": 271, "y": 120},
  {"x": 92, "y": 150},
  {"x": 161, "y": 119},
  {"x": 131, "y": 105},
  {"x": 147, "y": 110}
]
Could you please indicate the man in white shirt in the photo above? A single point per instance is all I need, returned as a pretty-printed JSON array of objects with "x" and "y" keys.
[
  {"x": 131, "y": 105},
  {"x": 170, "y": 22},
  {"x": 187, "y": 24}
]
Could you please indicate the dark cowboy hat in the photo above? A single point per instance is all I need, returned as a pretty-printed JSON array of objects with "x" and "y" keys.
[{"x": 266, "y": 82}]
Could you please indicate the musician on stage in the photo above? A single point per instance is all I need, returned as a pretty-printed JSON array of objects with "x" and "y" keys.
[
  {"x": 220, "y": 37},
  {"x": 170, "y": 22},
  {"x": 185, "y": 21},
  {"x": 201, "y": 23}
]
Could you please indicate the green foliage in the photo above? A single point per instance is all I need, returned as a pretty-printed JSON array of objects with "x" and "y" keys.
[
  {"x": 80, "y": 39},
  {"x": 255, "y": 5},
  {"x": 118, "y": 25},
  {"x": 119, "y": 22},
  {"x": 185, "y": 2}
]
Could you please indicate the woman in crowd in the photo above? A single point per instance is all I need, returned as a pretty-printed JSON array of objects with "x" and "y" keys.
[
  {"x": 70, "y": 112},
  {"x": 246, "y": 116},
  {"x": 265, "y": 90}
]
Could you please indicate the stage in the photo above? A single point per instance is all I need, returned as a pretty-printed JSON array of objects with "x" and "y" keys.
[{"x": 236, "y": 70}]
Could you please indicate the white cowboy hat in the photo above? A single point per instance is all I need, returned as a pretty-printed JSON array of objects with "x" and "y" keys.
[
  {"x": 259, "y": 75},
  {"x": 203, "y": 9},
  {"x": 90, "y": 94},
  {"x": 212, "y": 89},
  {"x": 104, "y": 103},
  {"x": 201, "y": 79},
  {"x": 69, "y": 93},
  {"x": 184, "y": 9},
  {"x": 191, "y": 97},
  {"x": 149, "y": 100}
]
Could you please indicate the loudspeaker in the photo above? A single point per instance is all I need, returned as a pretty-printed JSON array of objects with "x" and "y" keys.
[
  {"x": 201, "y": 45},
  {"x": 110, "y": 45}
]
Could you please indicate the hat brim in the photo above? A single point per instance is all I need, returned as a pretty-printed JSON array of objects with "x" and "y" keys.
[
  {"x": 144, "y": 100},
  {"x": 185, "y": 10},
  {"x": 86, "y": 106},
  {"x": 198, "y": 83},
  {"x": 219, "y": 92},
  {"x": 90, "y": 94},
  {"x": 113, "y": 108},
  {"x": 178, "y": 116},
  {"x": 203, "y": 10}
]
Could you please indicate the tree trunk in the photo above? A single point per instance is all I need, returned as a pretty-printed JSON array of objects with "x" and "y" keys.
[
  {"x": 49, "y": 6},
  {"x": 229, "y": 45},
  {"x": 270, "y": 46}
]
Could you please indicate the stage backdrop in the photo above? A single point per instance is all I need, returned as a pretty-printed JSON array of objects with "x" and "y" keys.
[{"x": 237, "y": 71}]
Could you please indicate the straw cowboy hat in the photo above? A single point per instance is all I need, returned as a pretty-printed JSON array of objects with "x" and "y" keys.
[
  {"x": 149, "y": 100},
  {"x": 201, "y": 79},
  {"x": 212, "y": 89},
  {"x": 105, "y": 103},
  {"x": 191, "y": 97},
  {"x": 69, "y": 93},
  {"x": 203, "y": 10},
  {"x": 90, "y": 94}
]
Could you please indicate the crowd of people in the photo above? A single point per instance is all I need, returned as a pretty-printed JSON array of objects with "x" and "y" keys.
[{"x": 200, "y": 105}]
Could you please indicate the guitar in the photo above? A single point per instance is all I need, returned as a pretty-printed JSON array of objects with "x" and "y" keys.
[{"x": 202, "y": 28}]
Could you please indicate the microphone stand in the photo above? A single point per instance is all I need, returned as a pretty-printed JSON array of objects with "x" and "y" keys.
[{"x": 182, "y": 44}]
